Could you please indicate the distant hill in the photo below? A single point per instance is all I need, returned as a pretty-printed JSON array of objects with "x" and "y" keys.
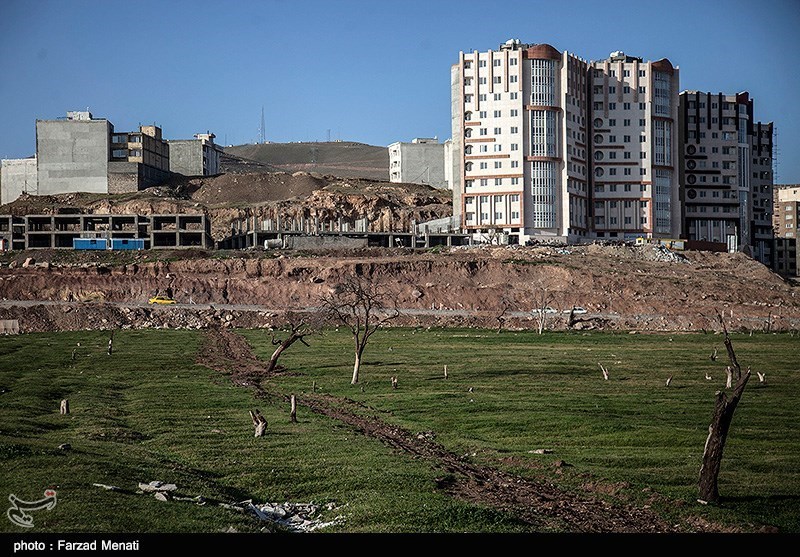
[{"x": 345, "y": 159}]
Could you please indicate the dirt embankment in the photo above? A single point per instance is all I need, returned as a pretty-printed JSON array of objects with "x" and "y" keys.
[
  {"x": 231, "y": 199},
  {"x": 622, "y": 288}
]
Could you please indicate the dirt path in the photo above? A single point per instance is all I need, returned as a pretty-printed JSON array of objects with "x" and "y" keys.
[{"x": 544, "y": 506}]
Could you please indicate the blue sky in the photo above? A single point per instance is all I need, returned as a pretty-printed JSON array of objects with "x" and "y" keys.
[{"x": 370, "y": 71}]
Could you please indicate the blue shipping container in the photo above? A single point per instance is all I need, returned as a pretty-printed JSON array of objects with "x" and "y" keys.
[
  {"x": 127, "y": 243},
  {"x": 89, "y": 243}
]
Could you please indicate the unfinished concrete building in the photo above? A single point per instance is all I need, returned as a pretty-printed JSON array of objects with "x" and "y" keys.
[
  {"x": 420, "y": 162},
  {"x": 60, "y": 231}
]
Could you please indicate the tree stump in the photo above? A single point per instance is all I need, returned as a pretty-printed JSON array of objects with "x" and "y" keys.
[
  {"x": 259, "y": 422},
  {"x": 445, "y": 371},
  {"x": 64, "y": 407},
  {"x": 294, "y": 409}
]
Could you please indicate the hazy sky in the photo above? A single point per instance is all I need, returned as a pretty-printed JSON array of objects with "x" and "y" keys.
[{"x": 369, "y": 71}]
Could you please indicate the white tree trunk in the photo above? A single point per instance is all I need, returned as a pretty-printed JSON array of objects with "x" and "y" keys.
[{"x": 356, "y": 367}]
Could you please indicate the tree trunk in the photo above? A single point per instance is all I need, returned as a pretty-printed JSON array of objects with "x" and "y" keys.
[
  {"x": 294, "y": 409},
  {"x": 715, "y": 442},
  {"x": 273, "y": 361},
  {"x": 356, "y": 367}
]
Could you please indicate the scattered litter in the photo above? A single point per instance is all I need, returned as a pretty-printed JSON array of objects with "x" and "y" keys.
[
  {"x": 161, "y": 496},
  {"x": 541, "y": 451},
  {"x": 156, "y": 485},
  {"x": 108, "y": 487},
  {"x": 65, "y": 447}
]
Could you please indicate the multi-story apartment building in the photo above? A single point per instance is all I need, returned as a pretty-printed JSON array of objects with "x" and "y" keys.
[
  {"x": 786, "y": 227},
  {"x": 634, "y": 148},
  {"x": 81, "y": 153},
  {"x": 786, "y": 213},
  {"x": 519, "y": 142},
  {"x": 549, "y": 146},
  {"x": 726, "y": 172}
]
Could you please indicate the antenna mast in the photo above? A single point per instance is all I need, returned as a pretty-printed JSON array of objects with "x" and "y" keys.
[{"x": 261, "y": 138}]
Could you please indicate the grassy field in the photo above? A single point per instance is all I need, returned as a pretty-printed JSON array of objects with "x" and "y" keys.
[{"x": 150, "y": 413}]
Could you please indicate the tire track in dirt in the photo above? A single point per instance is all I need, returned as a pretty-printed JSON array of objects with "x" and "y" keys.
[{"x": 544, "y": 506}]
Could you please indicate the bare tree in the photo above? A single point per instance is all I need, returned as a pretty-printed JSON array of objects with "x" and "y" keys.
[
  {"x": 505, "y": 306},
  {"x": 720, "y": 424},
  {"x": 297, "y": 329},
  {"x": 360, "y": 305},
  {"x": 541, "y": 305}
]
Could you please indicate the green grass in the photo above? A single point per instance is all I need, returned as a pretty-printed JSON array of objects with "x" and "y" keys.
[
  {"x": 532, "y": 391},
  {"x": 149, "y": 412}
]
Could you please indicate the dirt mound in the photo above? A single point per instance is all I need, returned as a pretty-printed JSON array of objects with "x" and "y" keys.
[{"x": 233, "y": 189}]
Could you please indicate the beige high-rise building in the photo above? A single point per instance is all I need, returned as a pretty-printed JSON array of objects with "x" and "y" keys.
[
  {"x": 786, "y": 214},
  {"x": 549, "y": 146},
  {"x": 634, "y": 144},
  {"x": 726, "y": 172},
  {"x": 519, "y": 143}
]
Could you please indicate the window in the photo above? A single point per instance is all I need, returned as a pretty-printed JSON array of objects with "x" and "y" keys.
[
  {"x": 643, "y": 187},
  {"x": 714, "y": 135},
  {"x": 643, "y": 154},
  {"x": 497, "y": 131},
  {"x": 484, "y": 148},
  {"x": 642, "y": 122},
  {"x": 642, "y": 106},
  {"x": 612, "y": 204},
  {"x": 598, "y": 105},
  {"x": 512, "y": 62},
  {"x": 484, "y": 165},
  {"x": 484, "y": 182},
  {"x": 642, "y": 171},
  {"x": 468, "y": 150},
  {"x": 482, "y": 114},
  {"x": 612, "y": 171},
  {"x": 715, "y": 149},
  {"x": 627, "y": 220},
  {"x": 611, "y": 122},
  {"x": 611, "y": 106},
  {"x": 515, "y": 146},
  {"x": 626, "y": 73},
  {"x": 498, "y": 113},
  {"x": 515, "y": 182},
  {"x": 612, "y": 73},
  {"x": 612, "y": 138},
  {"x": 497, "y": 79},
  {"x": 484, "y": 131},
  {"x": 482, "y": 64},
  {"x": 468, "y": 81},
  {"x": 642, "y": 89},
  {"x": 514, "y": 112},
  {"x": 612, "y": 220},
  {"x": 512, "y": 79},
  {"x": 498, "y": 216},
  {"x": 626, "y": 89},
  {"x": 641, "y": 73},
  {"x": 642, "y": 139},
  {"x": 482, "y": 97},
  {"x": 497, "y": 96},
  {"x": 498, "y": 181},
  {"x": 119, "y": 153},
  {"x": 612, "y": 154},
  {"x": 514, "y": 129},
  {"x": 482, "y": 80},
  {"x": 627, "y": 173},
  {"x": 598, "y": 188},
  {"x": 496, "y": 63},
  {"x": 612, "y": 187},
  {"x": 626, "y": 106},
  {"x": 119, "y": 138},
  {"x": 612, "y": 90},
  {"x": 467, "y": 64},
  {"x": 467, "y": 99},
  {"x": 626, "y": 155},
  {"x": 498, "y": 164},
  {"x": 498, "y": 148},
  {"x": 514, "y": 96},
  {"x": 514, "y": 164},
  {"x": 626, "y": 139},
  {"x": 626, "y": 122},
  {"x": 514, "y": 215}
]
